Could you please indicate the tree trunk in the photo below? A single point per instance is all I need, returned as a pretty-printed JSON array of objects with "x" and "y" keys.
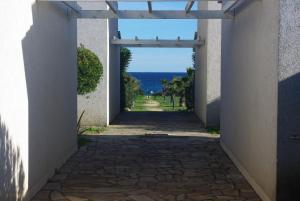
[
  {"x": 173, "y": 101},
  {"x": 180, "y": 101}
]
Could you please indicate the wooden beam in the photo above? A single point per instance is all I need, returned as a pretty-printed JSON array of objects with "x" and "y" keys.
[
  {"x": 189, "y": 6},
  {"x": 157, "y": 43},
  {"x": 170, "y": 14},
  {"x": 149, "y": 6},
  {"x": 112, "y": 8}
]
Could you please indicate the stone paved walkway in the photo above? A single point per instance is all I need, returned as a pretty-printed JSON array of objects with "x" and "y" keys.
[{"x": 157, "y": 166}]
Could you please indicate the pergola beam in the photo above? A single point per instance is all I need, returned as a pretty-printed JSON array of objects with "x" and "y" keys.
[
  {"x": 170, "y": 14},
  {"x": 189, "y": 6},
  {"x": 112, "y": 8},
  {"x": 229, "y": 5},
  {"x": 71, "y": 7},
  {"x": 157, "y": 43},
  {"x": 149, "y": 6}
]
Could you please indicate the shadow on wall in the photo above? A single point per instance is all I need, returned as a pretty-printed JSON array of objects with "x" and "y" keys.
[
  {"x": 49, "y": 52},
  {"x": 213, "y": 113},
  {"x": 12, "y": 174},
  {"x": 288, "y": 139}
]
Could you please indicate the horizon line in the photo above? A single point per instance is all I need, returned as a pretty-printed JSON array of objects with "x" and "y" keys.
[{"x": 156, "y": 72}]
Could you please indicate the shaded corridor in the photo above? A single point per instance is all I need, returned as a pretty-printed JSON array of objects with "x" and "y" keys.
[{"x": 162, "y": 165}]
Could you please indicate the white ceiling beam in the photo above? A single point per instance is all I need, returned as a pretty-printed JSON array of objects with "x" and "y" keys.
[
  {"x": 189, "y": 6},
  {"x": 112, "y": 8},
  {"x": 149, "y": 6},
  {"x": 167, "y": 14},
  {"x": 157, "y": 43}
]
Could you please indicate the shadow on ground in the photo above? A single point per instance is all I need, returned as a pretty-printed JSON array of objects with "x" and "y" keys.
[
  {"x": 143, "y": 168},
  {"x": 168, "y": 165},
  {"x": 184, "y": 123}
]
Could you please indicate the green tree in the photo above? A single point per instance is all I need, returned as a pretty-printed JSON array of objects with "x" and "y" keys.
[
  {"x": 164, "y": 83},
  {"x": 130, "y": 87},
  {"x": 125, "y": 59},
  {"x": 90, "y": 70},
  {"x": 189, "y": 88}
]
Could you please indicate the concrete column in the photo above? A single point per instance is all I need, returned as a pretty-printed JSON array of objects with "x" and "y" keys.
[
  {"x": 208, "y": 67},
  {"x": 38, "y": 95},
  {"x": 261, "y": 96},
  {"x": 288, "y": 117},
  {"x": 102, "y": 105}
]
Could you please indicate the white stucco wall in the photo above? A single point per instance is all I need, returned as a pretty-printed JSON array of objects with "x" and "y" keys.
[
  {"x": 38, "y": 95},
  {"x": 208, "y": 68},
  {"x": 249, "y": 93},
  {"x": 102, "y": 105},
  {"x": 288, "y": 147},
  {"x": 92, "y": 33},
  {"x": 114, "y": 72}
]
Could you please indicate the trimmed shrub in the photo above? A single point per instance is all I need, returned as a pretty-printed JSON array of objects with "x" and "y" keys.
[{"x": 90, "y": 70}]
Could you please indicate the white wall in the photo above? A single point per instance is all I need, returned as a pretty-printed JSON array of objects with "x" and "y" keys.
[
  {"x": 288, "y": 148},
  {"x": 249, "y": 93},
  {"x": 92, "y": 33},
  {"x": 38, "y": 95},
  {"x": 208, "y": 68},
  {"x": 102, "y": 105},
  {"x": 114, "y": 72}
]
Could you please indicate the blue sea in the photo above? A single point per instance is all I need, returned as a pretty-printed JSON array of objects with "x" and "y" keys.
[{"x": 151, "y": 82}]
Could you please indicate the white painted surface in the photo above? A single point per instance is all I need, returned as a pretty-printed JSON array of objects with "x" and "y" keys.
[
  {"x": 157, "y": 14},
  {"x": 38, "y": 95},
  {"x": 249, "y": 93},
  {"x": 102, "y": 105},
  {"x": 208, "y": 76},
  {"x": 114, "y": 72},
  {"x": 288, "y": 134},
  {"x": 92, "y": 33}
]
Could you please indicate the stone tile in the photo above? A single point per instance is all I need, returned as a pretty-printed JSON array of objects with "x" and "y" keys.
[
  {"x": 56, "y": 195},
  {"x": 185, "y": 165}
]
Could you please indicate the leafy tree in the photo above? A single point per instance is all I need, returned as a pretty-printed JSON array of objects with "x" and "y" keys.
[
  {"x": 164, "y": 83},
  {"x": 183, "y": 87},
  {"x": 130, "y": 87},
  {"x": 125, "y": 59},
  {"x": 90, "y": 70},
  {"x": 189, "y": 88}
]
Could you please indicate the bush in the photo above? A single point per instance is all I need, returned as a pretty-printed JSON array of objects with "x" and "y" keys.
[
  {"x": 90, "y": 70},
  {"x": 130, "y": 87},
  {"x": 132, "y": 90}
]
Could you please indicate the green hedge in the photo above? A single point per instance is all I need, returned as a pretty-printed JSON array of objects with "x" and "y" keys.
[{"x": 90, "y": 70}]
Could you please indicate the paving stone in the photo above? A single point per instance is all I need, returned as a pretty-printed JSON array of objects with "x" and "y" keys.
[
  {"x": 42, "y": 195},
  {"x": 140, "y": 198},
  {"x": 124, "y": 165},
  {"x": 52, "y": 186},
  {"x": 180, "y": 197},
  {"x": 75, "y": 198},
  {"x": 56, "y": 195}
]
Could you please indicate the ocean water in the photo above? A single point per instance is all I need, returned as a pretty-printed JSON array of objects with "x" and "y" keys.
[{"x": 151, "y": 82}]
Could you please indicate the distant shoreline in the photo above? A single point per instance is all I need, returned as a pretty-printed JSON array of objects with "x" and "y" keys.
[
  {"x": 155, "y": 72},
  {"x": 150, "y": 82}
]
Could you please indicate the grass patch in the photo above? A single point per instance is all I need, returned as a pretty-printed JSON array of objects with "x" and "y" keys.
[
  {"x": 213, "y": 130},
  {"x": 166, "y": 104},
  {"x": 81, "y": 141},
  {"x": 139, "y": 104},
  {"x": 94, "y": 130}
]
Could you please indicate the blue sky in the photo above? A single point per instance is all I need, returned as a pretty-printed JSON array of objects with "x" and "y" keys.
[{"x": 158, "y": 59}]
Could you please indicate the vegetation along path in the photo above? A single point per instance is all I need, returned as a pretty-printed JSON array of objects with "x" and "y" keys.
[
  {"x": 152, "y": 105},
  {"x": 150, "y": 156}
]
